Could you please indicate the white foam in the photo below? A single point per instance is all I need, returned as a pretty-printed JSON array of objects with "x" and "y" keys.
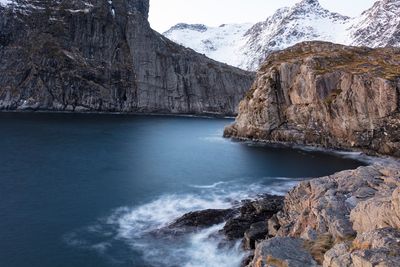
[
  {"x": 214, "y": 185},
  {"x": 135, "y": 226},
  {"x": 204, "y": 252}
]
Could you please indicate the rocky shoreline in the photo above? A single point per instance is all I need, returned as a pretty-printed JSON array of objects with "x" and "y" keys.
[
  {"x": 330, "y": 96},
  {"x": 350, "y": 218}
]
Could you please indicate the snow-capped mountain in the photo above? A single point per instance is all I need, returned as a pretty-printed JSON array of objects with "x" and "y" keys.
[
  {"x": 377, "y": 26},
  {"x": 305, "y": 21},
  {"x": 246, "y": 46},
  {"x": 221, "y": 43}
]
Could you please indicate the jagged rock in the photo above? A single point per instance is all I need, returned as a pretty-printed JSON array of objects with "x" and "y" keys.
[
  {"x": 203, "y": 218},
  {"x": 324, "y": 94},
  {"x": 273, "y": 225},
  {"x": 282, "y": 251},
  {"x": 377, "y": 212},
  {"x": 252, "y": 212},
  {"x": 338, "y": 256},
  {"x": 324, "y": 205},
  {"x": 100, "y": 55},
  {"x": 379, "y": 247},
  {"x": 257, "y": 231}
]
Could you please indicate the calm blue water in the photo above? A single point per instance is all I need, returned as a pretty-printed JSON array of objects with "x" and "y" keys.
[{"x": 85, "y": 190}]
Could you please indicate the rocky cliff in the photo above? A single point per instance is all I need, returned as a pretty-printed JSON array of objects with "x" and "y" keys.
[
  {"x": 349, "y": 219},
  {"x": 102, "y": 55},
  {"x": 324, "y": 94}
]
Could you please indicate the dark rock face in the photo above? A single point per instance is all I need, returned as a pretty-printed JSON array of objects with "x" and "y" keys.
[
  {"x": 257, "y": 231},
  {"x": 203, "y": 218},
  {"x": 324, "y": 94},
  {"x": 100, "y": 55},
  {"x": 252, "y": 212}
]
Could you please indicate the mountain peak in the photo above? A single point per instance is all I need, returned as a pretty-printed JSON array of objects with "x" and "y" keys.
[
  {"x": 185, "y": 26},
  {"x": 309, "y": 3}
]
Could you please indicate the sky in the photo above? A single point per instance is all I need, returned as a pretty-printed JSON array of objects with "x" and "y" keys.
[{"x": 167, "y": 13}]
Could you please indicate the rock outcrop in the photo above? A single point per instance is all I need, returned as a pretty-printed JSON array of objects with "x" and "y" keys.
[
  {"x": 101, "y": 55},
  {"x": 324, "y": 94},
  {"x": 329, "y": 95},
  {"x": 350, "y": 218}
]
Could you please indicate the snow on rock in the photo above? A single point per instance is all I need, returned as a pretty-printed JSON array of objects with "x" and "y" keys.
[
  {"x": 377, "y": 26},
  {"x": 221, "y": 43},
  {"x": 246, "y": 45},
  {"x": 5, "y": 2}
]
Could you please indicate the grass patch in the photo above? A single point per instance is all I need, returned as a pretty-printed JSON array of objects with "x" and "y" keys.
[
  {"x": 319, "y": 247},
  {"x": 271, "y": 261}
]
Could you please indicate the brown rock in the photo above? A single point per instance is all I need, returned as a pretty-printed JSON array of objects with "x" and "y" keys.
[
  {"x": 379, "y": 247},
  {"x": 324, "y": 94},
  {"x": 324, "y": 205},
  {"x": 282, "y": 251}
]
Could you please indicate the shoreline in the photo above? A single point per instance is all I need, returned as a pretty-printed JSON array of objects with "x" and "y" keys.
[
  {"x": 188, "y": 115},
  {"x": 357, "y": 154}
]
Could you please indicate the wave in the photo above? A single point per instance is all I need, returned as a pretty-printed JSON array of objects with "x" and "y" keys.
[
  {"x": 132, "y": 228},
  {"x": 214, "y": 185}
]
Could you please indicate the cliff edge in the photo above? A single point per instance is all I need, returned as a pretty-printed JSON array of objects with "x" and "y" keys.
[
  {"x": 324, "y": 94},
  {"x": 102, "y": 55}
]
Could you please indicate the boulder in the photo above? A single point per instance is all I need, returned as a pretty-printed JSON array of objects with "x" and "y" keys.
[
  {"x": 252, "y": 212},
  {"x": 257, "y": 232},
  {"x": 282, "y": 251},
  {"x": 203, "y": 218}
]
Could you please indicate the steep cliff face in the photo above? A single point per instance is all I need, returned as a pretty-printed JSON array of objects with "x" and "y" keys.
[
  {"x": 324, "y": 94},
  {"x": 102, "y": 55}
]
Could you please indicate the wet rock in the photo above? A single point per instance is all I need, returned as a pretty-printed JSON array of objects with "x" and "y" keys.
[
  {"x": 247, "y": 260},
  {"x": 252, "y": 212},
  {"x": 282, "y": 251},
  {"x": 257, "y": 232},
  {"x": 203, "y": 218}
]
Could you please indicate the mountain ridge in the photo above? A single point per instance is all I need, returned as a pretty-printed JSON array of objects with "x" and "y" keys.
[{"x": 307, "y": 20}]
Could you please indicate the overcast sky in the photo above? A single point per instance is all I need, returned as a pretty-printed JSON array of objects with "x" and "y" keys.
[{"x": 166, "y": 13}]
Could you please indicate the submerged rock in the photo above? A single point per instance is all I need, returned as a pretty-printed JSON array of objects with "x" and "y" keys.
[{"x": 325, "y": 94}]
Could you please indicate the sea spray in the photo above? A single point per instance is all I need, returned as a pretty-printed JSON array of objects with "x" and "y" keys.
[{"x": 133, "y": 228}]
